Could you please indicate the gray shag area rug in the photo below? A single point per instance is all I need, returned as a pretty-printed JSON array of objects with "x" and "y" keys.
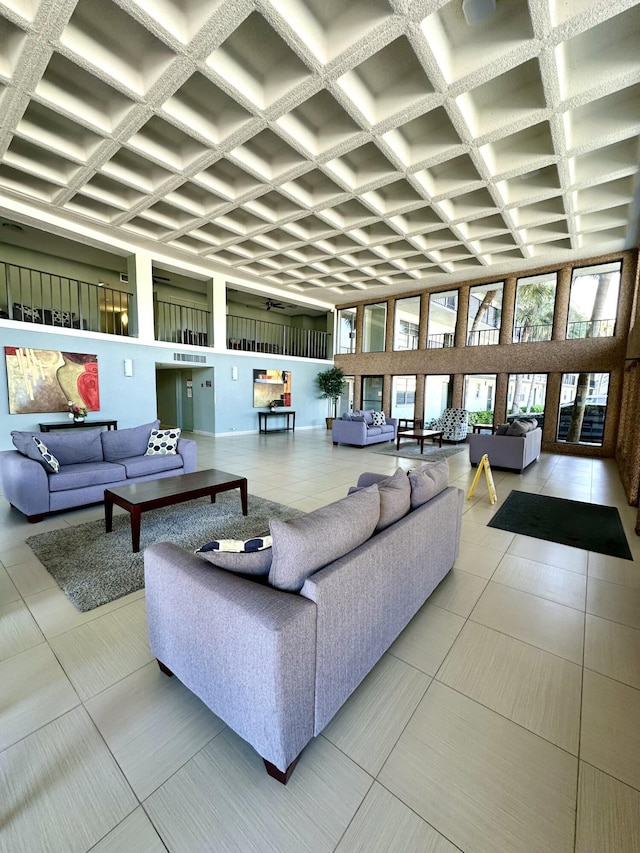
[
  {"x": 411, "y": 450},
  {"x": 92, "y": 567}
]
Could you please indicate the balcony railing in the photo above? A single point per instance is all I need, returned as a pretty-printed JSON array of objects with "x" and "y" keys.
[
  {"x": 591, "y": 329},
  {"x": 34, "y": 296},
  {"x": 483, "y": 337},
  {"x": 532, "y": 334},
  {"x": 261, "y": 336},
  {"x": 180, "y": 324},
  {"x": 440, "y": 341}
]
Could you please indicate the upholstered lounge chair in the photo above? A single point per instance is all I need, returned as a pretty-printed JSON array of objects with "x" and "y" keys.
[{"x": 454, "y": 424}]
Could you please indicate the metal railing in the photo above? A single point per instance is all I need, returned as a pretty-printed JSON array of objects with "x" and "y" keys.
[
  {"x": 483, "y": 337},
  {"x": 261, "y": 336},
  {"x": 532, "y": 334},
  {"x": 47, "y": 299},
  {"x": 591, "y": 329},
  {"x": 441, "y": 340},
  {"x": 180, "y": 324}
]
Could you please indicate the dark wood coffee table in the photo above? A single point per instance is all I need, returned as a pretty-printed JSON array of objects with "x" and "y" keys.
[
  {"x": 154, "y": 494},
  {"x": 419, "y": 435}
]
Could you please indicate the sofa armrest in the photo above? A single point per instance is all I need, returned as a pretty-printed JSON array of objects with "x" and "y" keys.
[
  {"x": 187, "y": 448},
  {"x": 246, "y": 649},
  {"x": 25, "y": 483},
  {"x": 349, "y": 432}
]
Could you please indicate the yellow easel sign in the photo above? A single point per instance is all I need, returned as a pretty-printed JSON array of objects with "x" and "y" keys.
[{"x": 484, "y": 464}]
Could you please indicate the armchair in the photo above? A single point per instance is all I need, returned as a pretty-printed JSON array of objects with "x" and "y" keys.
[{"x": 454, "y": 424}]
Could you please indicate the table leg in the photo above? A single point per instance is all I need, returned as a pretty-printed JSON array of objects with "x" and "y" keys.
[
  {"x": 243, "y": 497},
  {"x": 398, "y": 442},
  {"x": 135, "y": 529},
  {"x": 421, "y": 443},
  {"x": 108, "y": 515}
]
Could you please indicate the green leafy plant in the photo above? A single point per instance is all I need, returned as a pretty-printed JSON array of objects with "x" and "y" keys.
[{"x": 332, "y": 383}]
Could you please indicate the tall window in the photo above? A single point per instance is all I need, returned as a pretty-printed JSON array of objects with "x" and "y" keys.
[
  {"x": 480, "y": 396},
  {"x": 443, "y": 315},
  {"x": 526, "y": 393},
  {"x": 583, "y": 407},
  {"x": 403, "y": 396},
  {"x": 373, "y": 327},
  {"x": 407, "y": 323},
  {"x": 485, "y": 314},
  {"x": 535, "y": 300},
  {"x": 437, "y": 396},
  {"x": 345, "y": 403},
  {"x": 347, "y": 330},
  {"x": 593, "y": 305},
  {"x": 372, "y": 393}
]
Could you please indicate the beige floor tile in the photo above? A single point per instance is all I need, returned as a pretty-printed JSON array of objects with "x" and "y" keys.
[
  {"x": 103, "y": 651},
  {"x": 372, "y": 719},
  {"x": 610, "y": 735},
  {"x": 485, "y": 783},
  {"x": 55, "y": 614},
  {"x": 31, "y": 577},
  {"x": 478, "y": 560},
  {"x": 134, "y": 835},
  {"x": 224, "y": 793},
  {"x": 559, "y": 585},
  {"x": 383, "y": 824},
  {"x": 549, "y": 626},
  {"x": 35, "y": 691},
  {"x": 550, "y": 553},
  {"x": 426, "y": 640},
  {"x": 608, "y": 814},
  {"x": 488, "y": 537},
  {"x": 63, "y": 769},
  {"x": 612, "y": 650},
  {"x": 614, "y": 602},
  {"x": 614, "y": 570},
  {"x": 153, "y": 725},
  {"x": 458, "y": 592},
  {"x": 18, "y": 630},
  {"x": 8, "y": 591},
  {"x": 535, "y": 689}
]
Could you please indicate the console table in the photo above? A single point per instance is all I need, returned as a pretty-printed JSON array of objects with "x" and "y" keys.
[
  {"x": 69, "y": 424},
  {"x": 289, "y": 414}
]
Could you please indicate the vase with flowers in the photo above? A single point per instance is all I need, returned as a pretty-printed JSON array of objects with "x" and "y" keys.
[{"x": 76, "y": 412}]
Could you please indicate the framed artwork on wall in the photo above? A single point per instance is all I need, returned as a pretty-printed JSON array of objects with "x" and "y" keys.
[
  {"x": 40, "y": 380},
  {"x": 271, "y": 388}
]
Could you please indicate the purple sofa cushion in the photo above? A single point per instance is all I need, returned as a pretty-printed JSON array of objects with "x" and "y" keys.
[
  {"x": 141, "y": 466},
  {"x": 69, "y": 448},
  {"x": 124, "y": 443},
  {"x": 85, "y": 474}
]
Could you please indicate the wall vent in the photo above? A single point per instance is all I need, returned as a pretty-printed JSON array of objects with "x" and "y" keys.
[
  {"x": 124, "y": 278},
  {"x": 183, "y": 356}
]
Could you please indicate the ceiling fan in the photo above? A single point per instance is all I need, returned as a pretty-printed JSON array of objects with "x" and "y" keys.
[{"x": 272, "y": 303}]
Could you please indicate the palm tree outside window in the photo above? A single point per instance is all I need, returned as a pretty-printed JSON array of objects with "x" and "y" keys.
[{"x": 535, "y": 300}]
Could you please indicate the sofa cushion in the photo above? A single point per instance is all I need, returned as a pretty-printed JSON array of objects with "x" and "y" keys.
[
  {"x": 387, "y": 429},
  {"x": 378, "y": 418},
  {"x": 69, "y": 448},
  {"x": 346, "y": 416},
  {"x": 368, "y": 417},
  {"x": 142, "y": 466},
  {"x": 395, "y": 499},
  {"x": 50, "y": 461},
  {"x": 247, "y": 557},
  {"x": 124, "y": 443},
  {"x": 502, "y": 429},
  {"x": 374, "y": 430},
  {"x": 359, "y": 418},
  {"x": 521, "y": 426},
  {"x": 163, "y": 442},
  {"x": 305, "y": 544},
  {"x": 83, "y": 474},
  {"x": 427, "y": 481}
]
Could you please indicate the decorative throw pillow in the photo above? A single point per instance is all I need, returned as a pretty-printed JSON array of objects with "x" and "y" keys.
[
  {"x": 502, "y": 429},
  {"x": 51, "y": 463},
  {"x": 395, "y": 499},
  {"x": 427, "y": 481},
  {"x": 378, "y": 419},
  {"x": 247, "y": 557},
  {"x": 518, "y": 428},
  {"x": 163, "y": 442}
]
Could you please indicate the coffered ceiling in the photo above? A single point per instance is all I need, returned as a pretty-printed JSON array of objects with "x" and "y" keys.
[{"x": 332, "y": 149}]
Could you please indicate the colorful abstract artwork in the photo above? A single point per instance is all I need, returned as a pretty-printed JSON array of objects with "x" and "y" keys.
[
  {"x": 270, "y": 386},
  {"x": 40, "y": 380}
]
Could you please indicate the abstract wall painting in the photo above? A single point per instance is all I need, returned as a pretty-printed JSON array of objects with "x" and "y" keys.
[
  {"x": 270, "y": 386},
  {"x": 40, "y": 380}
]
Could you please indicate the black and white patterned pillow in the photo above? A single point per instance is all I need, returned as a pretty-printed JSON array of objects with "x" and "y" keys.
[
  {"x": 50, "y": 461},
  {"x": 163, "y": 442},
  {"x": 245, "y": 557},
  {"x": 237, "y": 546},
  {"x": 378, "y": 419}
]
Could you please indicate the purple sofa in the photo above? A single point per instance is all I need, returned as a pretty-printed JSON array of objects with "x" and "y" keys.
[
  {"x": 357, "y": 427},
  {"x": 90, "y": 462}
]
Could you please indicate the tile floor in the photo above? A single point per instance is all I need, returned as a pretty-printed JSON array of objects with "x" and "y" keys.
[{"x": 505, "y": 718}]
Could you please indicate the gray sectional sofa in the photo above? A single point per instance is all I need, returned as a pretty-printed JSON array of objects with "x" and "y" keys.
[
  {"x": 276, "y": 660},
  {"x": 90, "y": 462},
  {"x": 358, "y": 428}
]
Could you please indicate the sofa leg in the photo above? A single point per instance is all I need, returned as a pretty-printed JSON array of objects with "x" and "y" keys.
[
  {"x": 281, "y": 775},
  {"x": 335, "y": 443},
  {"x": 164, "y": 668},
  {"x": 32, "y": 519}
]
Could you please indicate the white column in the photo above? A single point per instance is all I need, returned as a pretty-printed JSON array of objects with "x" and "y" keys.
[
  {"x": 141, "y": 279},
  {"x": 217, "y": 304}
]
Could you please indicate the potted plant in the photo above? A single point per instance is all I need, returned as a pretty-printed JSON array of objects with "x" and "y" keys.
[{"x": 332, "y": 383}]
